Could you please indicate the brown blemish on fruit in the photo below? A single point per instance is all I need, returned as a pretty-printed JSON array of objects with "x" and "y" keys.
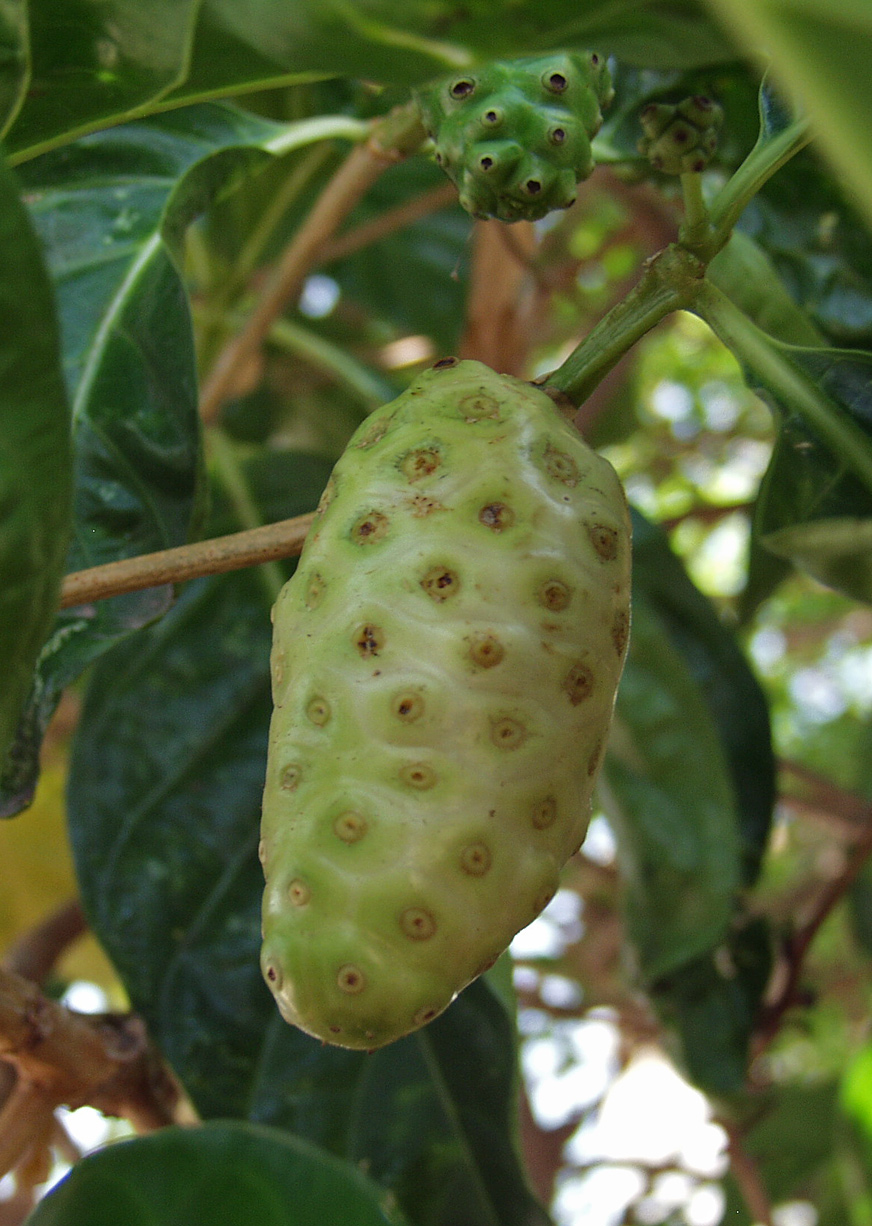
[
  {"x": 497, "y": 516},
  {"x": 508, "y": 733},
  {"x": 621, "y": 631},
  {"x": 350, "y": 827},
  {"x": 475, "y": 859},
  {"x": 439, "y": 583},
  {"x": 420, "y": 463},
  {"x": 299, "y": 893},
  {"x": 417, "y": 923},
  {"x": 314, "y": 591},
  {"x": 425, "y": 1015},
  {"x": 555, "y": 595},
  {"x": 486, "y": 651},
  {"x": 421, "y": 506},
  {"x": 604, "y": 540},
  {"x": 350, "y": 979},
  {"x": 544, "y": 813},
  {"x": 479, "y": 405},
  {"x": 289, "y": 777},
  {"x": 560, "y": 466},
  {"x": 578, "y": 683},
  {"x": 445, "y": 363},
  {"x": 418, "y": 775},
  {"x": 274, "y": 975},
  {"x": 374, "y": 434},
  {"x": 594, "y": 760},
  {"x": 369, "y": 640},
  {"x": 408, "y": 706},
  {"x": 369, "y": 528},
  {"x": 318, "y": 711}
]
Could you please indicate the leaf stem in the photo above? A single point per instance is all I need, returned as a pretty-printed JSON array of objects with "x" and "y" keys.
[
  {"x": 696, "y": 230},
  {"x": 391, "y": 138},
  {"x": 213, "y": 557}
]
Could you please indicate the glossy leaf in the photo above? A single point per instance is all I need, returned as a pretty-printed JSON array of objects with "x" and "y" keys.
[
  {"x": 732, "y": 693},
  {"x": 668, "y": 792},
  {"x": 822, "y": 51},
  {"x": 13, "y": 59},
  {"x": 112, "y": 211},
  {"x": 815, "y": 501},
  {"x": 35, "y": 461},
  {"x": 227, "y": 1174},
  {"x": 173, "y": 737}
]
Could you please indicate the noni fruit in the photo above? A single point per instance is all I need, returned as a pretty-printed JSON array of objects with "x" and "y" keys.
[
  {"x": 444, "y": 668},
  {"x": 514, "y": 135},
  {"x": 680, "y": 138}
]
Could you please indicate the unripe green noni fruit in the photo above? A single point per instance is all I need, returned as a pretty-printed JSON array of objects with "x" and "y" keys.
[
  {"x": 444, "y": 669},
  {"x": 683, "y": 137},
  {"x": 514, "y": 135}
]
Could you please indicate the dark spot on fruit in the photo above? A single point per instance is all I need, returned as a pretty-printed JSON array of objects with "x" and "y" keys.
[
  {"x": 478, "y": 405},
  {"x": 496, "y": 515},
  {"x": 491, "y": 118},
  {"x": 420, "y": 463},
  {"x": 680, "y": 135},
  {"x": 445, "y": 363},
  {"x": 421, "y": 506},
  {"x": 418, "y": 775},
  {"x": 350, "y": 979},
  {"x": 289, "y": 777},
  {"x": 544, "y": 813},
  {"x": 439, "y": 583},
  {"x": 578, "y": 683},
  {"x": 369, "y": 640},
  {"x": 620, "y": 631},
  {"x": 350, "y": 827},
  {"x": 486, "y": 163},
  {"x": 369, "y": 528},
  {"x": 425, "y": 1015},
  {"x": 314, "y": 591},
  {"x": 556, "y": 82},
  {"x": 318, "y": 711},
  {"x": 273, "y": 974},
  {"x": 532, "y": 187},
  {"x": 594, "y": 760},
  {"x": 335, "y": 1029},
  {"x": 555, "y": 595},
  {"x": 594, "y": 59},
  {"x": 417, "y": 923},
  {"x": 486, "y": 651},
  {"x": 299, "y": 893},
  {"x": 475, "y": 860},
  {"x": 557, "y": 136},
  {"x": 508, "y": 733},
  {"x": 604, "y": 540},
  {"x": 462, "y": 88},
  {"x": 560, "y": 466},
  {"x": 408, "y": 706}
]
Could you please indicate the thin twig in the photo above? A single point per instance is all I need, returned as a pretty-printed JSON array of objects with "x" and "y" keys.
[
  {"x": 213, "y": 557},
  {"x": 747, "y": 1175},
  {"x": 392, "y": 139},
  {"x": 387, "y": 223},
  {"x": 34, "y": 955}
]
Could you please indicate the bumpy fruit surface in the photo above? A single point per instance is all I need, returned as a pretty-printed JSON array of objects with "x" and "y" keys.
[
  {"x": 444, "y": 668},
  {"x": 515, "y": 136},
  {"x": 683, "y": 137}
]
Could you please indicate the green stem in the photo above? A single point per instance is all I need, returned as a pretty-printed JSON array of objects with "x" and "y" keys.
[
  {"x": 770, "y": 361},
  {"x": 696, "y": 229},
  {"x": 670, "y": 282},
  {"x": 229, "y": 472}
]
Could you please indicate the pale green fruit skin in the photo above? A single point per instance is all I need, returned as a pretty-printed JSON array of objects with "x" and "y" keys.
[{"x": 444, "y": 665}]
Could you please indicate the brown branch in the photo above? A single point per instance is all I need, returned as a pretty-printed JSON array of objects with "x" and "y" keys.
[
  {"x": 36, "y": 952},
  {"x": 392, "y": 138},
  {"x": 747, "y": 1175},
  {"x": 389, "y": 222},
  {"x": 213, "y": 557}
]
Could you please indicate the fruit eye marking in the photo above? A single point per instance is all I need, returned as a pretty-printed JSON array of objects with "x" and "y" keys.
[
  {"x": 299, "y": 893},
  {"x": 408, "y": 706},
  {"x": 557, "y": 136},
  {"x": 479, "y": 405},
  {"x": 314, "y": 592},
  {"x": 554, "y": 595},
  {"x": 556, "y": 82},
  {"x": 274, "y": 975},
  {"x": 532, "y": 187},
  {"x": 561, "y": 466},
  {"x": 508, "y": 733},
  {"x": 462, "y": 88},
  {"x": 487, "y": 651},
  {"x": 350, "y": 827},
  {"x": 578, "y": 683},
  {"x": 496, "y": 515},
  {"x": 445, "y": 363},
  {"x": 420, "y": 463},
  {"x": 289, "y": 777},
  {"x": 439, "y": 583},
  {"x": 604, "y": 540},
  {"x": 369, "y": 528},
  {"x": 486, "y": 163},
  {"x": 475, "y": 860},
  {"x": 491, "y": 118},
  {"x": 318, "y": 711},
  {"x": 417, "y": 924},
  {"x": 418, "y": 775},
  {"x": 545, "y": 813},
  {"x": 350, "y": 979},
  {"x": 369, "y": 640}
]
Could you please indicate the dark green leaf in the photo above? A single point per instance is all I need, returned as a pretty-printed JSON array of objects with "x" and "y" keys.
[
  {"x": 746, "y": 275},
  {"x": 735, "y": 700},
  {"x": 35, "y": 461},
  {"x": 13, "y": 58},
  {"x": 712, "y": 1004},
  {"x": 668, "y": 792},
  {"x": 223, "y": 1174}
]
